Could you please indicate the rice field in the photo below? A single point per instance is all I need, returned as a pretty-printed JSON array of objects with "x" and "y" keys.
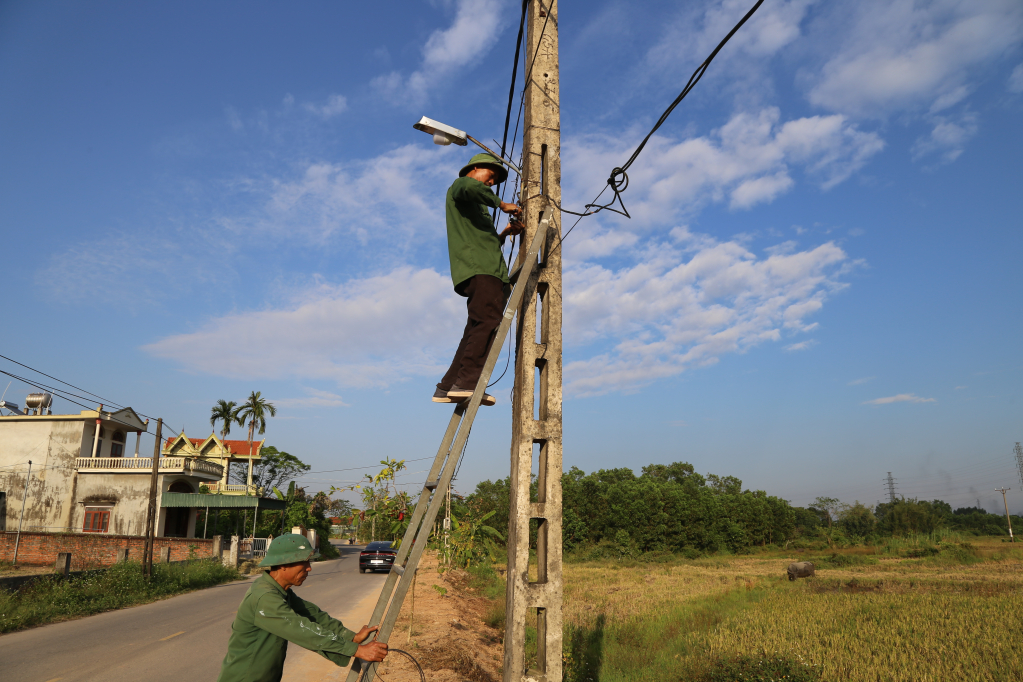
[{"x": 951, "y": 612}]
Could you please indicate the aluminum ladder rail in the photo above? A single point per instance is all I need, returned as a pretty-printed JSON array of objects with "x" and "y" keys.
[{"x": 403, "y": 571}]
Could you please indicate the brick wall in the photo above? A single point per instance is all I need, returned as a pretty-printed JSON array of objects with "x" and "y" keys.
[{"x": 93, "y": 550}]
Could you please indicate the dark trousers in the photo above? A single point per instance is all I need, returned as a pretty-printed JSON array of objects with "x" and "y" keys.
[{"x": 486, "y": 298}]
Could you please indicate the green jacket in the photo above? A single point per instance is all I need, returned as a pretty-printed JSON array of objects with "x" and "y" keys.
[
  {"x": 473, "y": 245},
  {"x": 269, "y": 617}
]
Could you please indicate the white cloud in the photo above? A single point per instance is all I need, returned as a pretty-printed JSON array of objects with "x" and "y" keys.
[
  {"x": 900, "y": 398},
  {"x": 947, "y": 139},
  {"x": 907, "y": 54},
  {"x": 685, "y": 305},
  {"x": 802, "y": 345},
  {"x": 313, "y": 398},
  {"x": 335, "y": 104},
  {"x": 747, "y": 161},
  {"x": 123, "y": 269},
  {"x": 385, "y": 198},
  {"x": 370, "y": 332},
  {"x": 471, "y": 35},
  {"x": 862, "y": 380},
  {"x": 1016, "y": 79},
  {"x": 771, "y": 28}
]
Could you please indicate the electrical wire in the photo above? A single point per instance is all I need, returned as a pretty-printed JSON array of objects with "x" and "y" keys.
[
  {"x": 62, "y": 394},
  {"x": 515, "y": 68},
  {"x": 422, "y": 675},
  {"x": 618, "y": 180},
  {"x": 371, "y": 466},
  {"x": 106, "y": 401}
]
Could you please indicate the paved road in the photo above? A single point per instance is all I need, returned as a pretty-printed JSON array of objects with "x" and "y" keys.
[{"x": 179, "y": 639}]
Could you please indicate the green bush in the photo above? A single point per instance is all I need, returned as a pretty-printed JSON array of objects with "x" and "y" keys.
[
  {"x": 843, "y": 560},
  {"x": 762, "y": 669},
  {"x": 54, "y": 598}
]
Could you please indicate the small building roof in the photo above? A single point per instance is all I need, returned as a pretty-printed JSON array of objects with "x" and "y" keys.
[
  {"x": 211, "y": 446},
  {"x": 199, "y": 500}
]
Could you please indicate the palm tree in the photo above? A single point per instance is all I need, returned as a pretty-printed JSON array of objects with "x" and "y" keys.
[
  {"x": 255, "y": 411},
  {"x": 225, "y": 411}
]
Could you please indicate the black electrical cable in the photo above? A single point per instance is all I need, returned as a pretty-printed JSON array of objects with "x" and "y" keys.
[
  {"x": 422, "y": 675},
  {"x": 515, "y": 69},
  {"x": 59, "y": 393},
  {"x": 106, "y": 401},
  {"x": 618, "y": 180}
]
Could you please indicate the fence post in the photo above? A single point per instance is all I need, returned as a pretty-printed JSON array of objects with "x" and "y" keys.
[
  {"x": 165, "y": 554},
  {"x": 24, "y": 498},
  {"x": 63, "y": 565},
  {"x": 232, "y": 555},
  {"x": 122, "y": 556}
]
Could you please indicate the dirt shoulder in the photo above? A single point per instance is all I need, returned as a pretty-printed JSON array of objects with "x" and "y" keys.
[{"x": 445, "y": 629}]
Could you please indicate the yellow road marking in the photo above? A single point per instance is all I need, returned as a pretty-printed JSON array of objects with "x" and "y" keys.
[{"x": 164, "y": 639}]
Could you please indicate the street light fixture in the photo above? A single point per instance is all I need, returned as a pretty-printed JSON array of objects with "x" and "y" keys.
[{"x": 444, "y": 135}]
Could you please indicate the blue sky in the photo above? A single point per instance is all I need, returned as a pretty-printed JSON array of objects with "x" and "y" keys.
[{"x": 820, "y": 282}]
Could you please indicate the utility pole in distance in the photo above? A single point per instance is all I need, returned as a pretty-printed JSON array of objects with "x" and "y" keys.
[
  {"x": 1009, "y": 520},
  {"x": 147, "y": 553},
  {"x": 537, "y": 600}
]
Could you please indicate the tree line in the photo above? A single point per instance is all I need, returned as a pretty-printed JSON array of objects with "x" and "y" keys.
[{"x": 670, "y": 507}]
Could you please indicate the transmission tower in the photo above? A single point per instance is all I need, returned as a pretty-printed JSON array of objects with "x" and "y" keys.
[
  {"x": 1019, "y": 461},
  {"x": 890, "y": 483}
]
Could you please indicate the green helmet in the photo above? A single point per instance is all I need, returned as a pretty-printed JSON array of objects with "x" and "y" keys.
[
  {"x": 488, "y": 160},
  {"x": 288, "y": 549}
]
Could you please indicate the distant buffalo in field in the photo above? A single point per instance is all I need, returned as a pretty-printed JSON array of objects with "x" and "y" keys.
[{"x": 800, "y": 569}]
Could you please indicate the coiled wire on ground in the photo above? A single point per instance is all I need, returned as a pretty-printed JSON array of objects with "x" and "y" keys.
[{"x": 422, "y": 675}]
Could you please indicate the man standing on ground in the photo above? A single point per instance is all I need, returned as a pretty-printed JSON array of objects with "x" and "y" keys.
[
  {"x": 478, "y": 270},
  {"x": 271, "y": 615}
]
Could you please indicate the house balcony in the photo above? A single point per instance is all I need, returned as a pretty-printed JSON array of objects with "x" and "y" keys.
[
  {"x": 190, "y": 466},
  {"x": 234, "y": 489}
]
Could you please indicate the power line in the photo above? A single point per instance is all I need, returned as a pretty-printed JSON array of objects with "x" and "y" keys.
[
  {"x": 618, "y": 180},
  {"x": 371, "y": 466},
  {"x": 515, "y": 69},
  {"x": 106, "y": 401},
  {"x": 62, "y": 394}
]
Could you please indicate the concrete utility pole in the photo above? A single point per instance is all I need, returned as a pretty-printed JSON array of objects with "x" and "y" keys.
[
  {"x": 1009, "y": 520},
  {"x": 151, "y": 510},
  {"x": 538, "y": 601}
]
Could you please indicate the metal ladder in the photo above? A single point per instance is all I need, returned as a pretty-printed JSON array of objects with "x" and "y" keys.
[{"x": 403, "y": 571}]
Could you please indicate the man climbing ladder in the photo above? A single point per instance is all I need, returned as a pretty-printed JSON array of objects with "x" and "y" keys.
[{"x": 478, "y": 270}]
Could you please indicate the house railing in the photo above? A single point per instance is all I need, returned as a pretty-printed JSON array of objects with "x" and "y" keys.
[
  {"x": 187, "y": 464},
  {"x": 221, "y": 487}
]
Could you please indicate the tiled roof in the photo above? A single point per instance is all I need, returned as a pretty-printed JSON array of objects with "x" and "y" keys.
[{"x": 235, "y": 447}]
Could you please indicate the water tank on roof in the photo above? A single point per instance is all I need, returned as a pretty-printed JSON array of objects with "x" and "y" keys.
[{"x": 38, "y": 402}]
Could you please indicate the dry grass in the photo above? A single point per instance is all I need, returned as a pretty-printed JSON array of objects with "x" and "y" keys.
[{"x": 898, "y": 619}]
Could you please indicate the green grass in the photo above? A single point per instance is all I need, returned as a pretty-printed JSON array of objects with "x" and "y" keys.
[{"x": 51, "y": 598}]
